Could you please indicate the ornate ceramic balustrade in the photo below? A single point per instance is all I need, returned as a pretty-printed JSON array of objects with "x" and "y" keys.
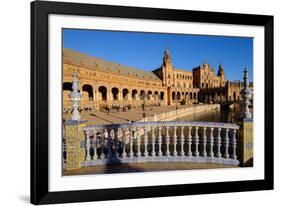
[{"x": 161, "y": 141}]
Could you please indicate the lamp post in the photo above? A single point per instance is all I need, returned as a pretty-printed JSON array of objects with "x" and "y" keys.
[
  {"x": 177, "y": 102},
  {"x": 143, "y": 96},
  {"x": 176, "y": 99}
]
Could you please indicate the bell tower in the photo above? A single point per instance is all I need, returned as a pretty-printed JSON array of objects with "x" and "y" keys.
[
  {"x": 167, "y": 69},
  {"x": 221, "y": 75}
]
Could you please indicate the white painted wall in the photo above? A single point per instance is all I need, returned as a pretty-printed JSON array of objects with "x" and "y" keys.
[{"x": 14, "y": 133}]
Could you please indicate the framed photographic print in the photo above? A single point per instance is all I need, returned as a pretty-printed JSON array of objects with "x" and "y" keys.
[{"x": 131, "y": 102}]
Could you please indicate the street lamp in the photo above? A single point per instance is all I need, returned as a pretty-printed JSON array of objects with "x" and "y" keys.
[
  {"x": 176, "y": 101},
  {"x": 143, "y": 96}
]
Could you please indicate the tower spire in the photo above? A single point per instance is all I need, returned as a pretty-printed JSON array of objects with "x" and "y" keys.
[
  {"x": 167, "y": 53},
  {"x": 220, "y": 71}
]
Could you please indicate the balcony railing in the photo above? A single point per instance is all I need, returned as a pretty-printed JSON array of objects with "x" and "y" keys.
[{"x": 161, "y": 141}]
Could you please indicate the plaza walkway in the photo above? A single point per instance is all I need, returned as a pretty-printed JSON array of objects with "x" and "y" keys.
[
  {"x": 143, "y": 167},
  {"x": 134, "y": 114}
]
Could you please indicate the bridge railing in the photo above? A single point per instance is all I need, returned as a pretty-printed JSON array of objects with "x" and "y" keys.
[{"x": 161, "y": 141}]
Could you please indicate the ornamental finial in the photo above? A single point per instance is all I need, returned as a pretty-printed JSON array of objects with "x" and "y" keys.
[
  {"x": 167, "y": 53},
  {"x": 246, "y": 94},
  {"x": 75, "y": 97}
]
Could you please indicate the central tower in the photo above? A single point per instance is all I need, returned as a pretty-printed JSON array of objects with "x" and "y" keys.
[
  {"x": 168, "y": 75},
  {"x": 167, "y": 69}
]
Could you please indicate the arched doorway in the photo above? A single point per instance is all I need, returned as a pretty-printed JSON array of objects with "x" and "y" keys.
[
  {"x": 88, "y": 89},
  {"x": 156, "y": 95},
  {"x": 134, "y": 94},
  {"x": 186, "y": 96},
  {"x": 142, "y": 93},
  {"x": 115, "y": 92},
  {"x": 149, "y": 95},
  {"x": 162, "y": 95},
  {"x": 173, "y": 95},
  {"x": 178, "y": 96},
  {"x": 67, "y": 88},
  {"x": 103, "y": 93},
  {"x": 125, "y": 94}
]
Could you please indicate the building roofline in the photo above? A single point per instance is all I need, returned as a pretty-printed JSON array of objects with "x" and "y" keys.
[{"x": 107, "y": 66}]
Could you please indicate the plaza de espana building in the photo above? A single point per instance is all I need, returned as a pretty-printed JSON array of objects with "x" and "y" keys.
[{"x": 105, "y": 84}]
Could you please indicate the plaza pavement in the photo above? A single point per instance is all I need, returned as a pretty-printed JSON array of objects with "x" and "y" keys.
[
  {"x": 134, "y": 114},
  {"x": 143, "y": 167}
]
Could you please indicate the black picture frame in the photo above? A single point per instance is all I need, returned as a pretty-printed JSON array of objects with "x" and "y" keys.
[{"x": 39, "y": 102}]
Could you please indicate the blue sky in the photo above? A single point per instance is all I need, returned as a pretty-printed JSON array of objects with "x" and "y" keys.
[{"x": 145, "y": 50}]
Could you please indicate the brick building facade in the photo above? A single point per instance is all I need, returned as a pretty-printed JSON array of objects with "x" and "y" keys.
[{"x": 104, "y": 83}]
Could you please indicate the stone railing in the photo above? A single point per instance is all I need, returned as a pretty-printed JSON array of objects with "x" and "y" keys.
[
  {"x": 180, "y": 112},
  {"x": 161, "y": 141}
]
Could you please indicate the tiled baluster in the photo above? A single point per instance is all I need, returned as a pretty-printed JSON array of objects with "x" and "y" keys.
[
  {"x": 138, "y": 142},
  {"x": 219, "y": 143},
  {"x": 131, "y": 142},
  {"x": 175, "y": 141},
  {"x": 145, "y": 141},
  {"x": 124, "y": 142},
  {"x": 196, "y": 142},
  {"x": 189, "y": 142},
  {"x": 102, "y": 143},
  {"x": 153, "y": 142},
  {"x": 167, "y": 141},
  {"x": 116, "y": 146},
  {"x": 88, "y": 145},
  {"x": 226, "y": 143},
  {"x": 160, "y": 141},
  {"x": 94, "y": 145},
  {"x": 234, "y": 144},
  {"x": 182, "y": 141},
  {"x": 204, "y": 142},
  {"x": 109, "y": 143},
  {"x": 211, "y": 142}
]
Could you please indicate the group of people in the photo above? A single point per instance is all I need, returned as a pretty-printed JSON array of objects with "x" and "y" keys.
[{"x": 117, "y": 108}]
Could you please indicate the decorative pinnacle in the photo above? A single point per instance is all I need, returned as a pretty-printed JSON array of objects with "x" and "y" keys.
[
  {"x": 246, "y": 94},
  {"x": 75, "y": 97},
  {"x": 167, "y": 51}
]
